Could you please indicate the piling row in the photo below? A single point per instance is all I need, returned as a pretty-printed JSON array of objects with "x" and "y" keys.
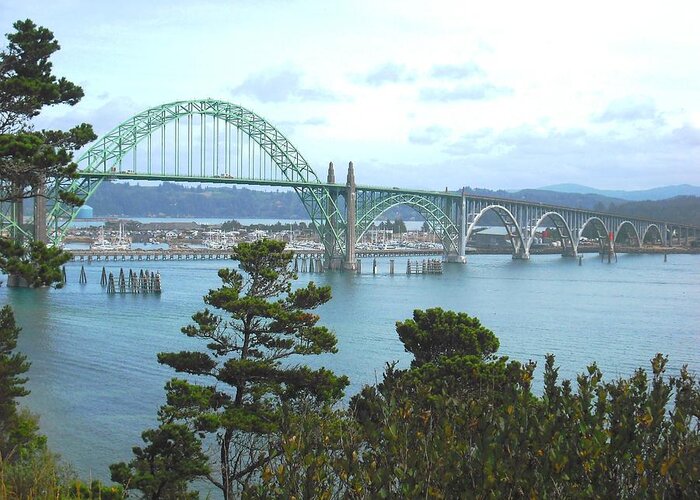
[
  {"x": 429, "y": 266},
  {"x": 141, "y": 282},
  {"x": 311, "y": 264}
]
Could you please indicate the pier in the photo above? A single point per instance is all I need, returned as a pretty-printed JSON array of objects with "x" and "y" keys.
[{"x": 90, "y": 255}]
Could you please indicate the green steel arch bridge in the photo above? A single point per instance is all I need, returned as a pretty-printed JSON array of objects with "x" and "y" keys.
[{"x": 214, "y": 141}]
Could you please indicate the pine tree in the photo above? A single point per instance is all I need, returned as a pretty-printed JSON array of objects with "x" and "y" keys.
[
  {"x": 250, "y": 364},
  {"x": 29, "y": 159},
  {"x": 12, "y": 368}
]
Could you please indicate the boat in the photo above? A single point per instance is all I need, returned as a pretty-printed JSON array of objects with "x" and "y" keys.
[
  {"x": 219, "y": 240},
  {"x": 120, "y": 242}
]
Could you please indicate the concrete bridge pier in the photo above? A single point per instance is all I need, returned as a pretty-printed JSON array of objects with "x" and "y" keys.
[
  {"x": 40, "y": 215},
  {"x": 569, "y": 252},
  {"x": 350, "y": 263},
  {"x": 461, "y": 255},
  {"x": 521, "y": 254}
]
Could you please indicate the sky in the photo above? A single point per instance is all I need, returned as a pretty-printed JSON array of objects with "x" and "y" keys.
[{"x": 498, "y": 95}]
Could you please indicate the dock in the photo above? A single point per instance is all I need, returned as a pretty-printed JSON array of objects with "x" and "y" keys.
[{"x": 175, "y": 254}]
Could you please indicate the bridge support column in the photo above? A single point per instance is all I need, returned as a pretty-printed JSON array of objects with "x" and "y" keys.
[
  {"x": 461, "y": 244},
  {"x": 350, "y": 263},
  {"x": 40, "y": 215},
  {"x": 521, "y": 254}
]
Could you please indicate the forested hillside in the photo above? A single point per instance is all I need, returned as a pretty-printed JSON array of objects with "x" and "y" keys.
[
  {"x": 175, "y": 200},
  {"x": 681, "y": 209}
]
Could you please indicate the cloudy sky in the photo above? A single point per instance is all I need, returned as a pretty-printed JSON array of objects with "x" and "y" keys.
[{"x": 418, "y": 94}]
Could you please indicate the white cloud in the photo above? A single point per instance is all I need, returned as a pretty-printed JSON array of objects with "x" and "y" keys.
[
  {"x": 472, "y": 92},
  {"x": 629, "y": 109},
  {"x": 456, "y": 71},
  {"x": 429, "y": 135},
  {"x": 389, "y": 73},
  {"x": 280, "y": 86},
  {"x": 530, "y": 77}
]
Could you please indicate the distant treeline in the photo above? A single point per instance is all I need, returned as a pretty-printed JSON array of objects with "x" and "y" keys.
[{"x": 176, "y": 200}]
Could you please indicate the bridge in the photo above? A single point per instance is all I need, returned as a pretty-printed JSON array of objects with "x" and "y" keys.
[{"x": 211, "y": 141}]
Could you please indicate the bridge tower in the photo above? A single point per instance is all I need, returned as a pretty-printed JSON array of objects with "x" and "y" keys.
[
  {"x": 350, "y": 263},
  {"x": 334, "y": 261}
]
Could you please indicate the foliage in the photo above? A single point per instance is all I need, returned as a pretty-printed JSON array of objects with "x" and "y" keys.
[
  {"x": 462, "y": 425},
  {"x": 176, "y": 200},
  {"x": 27, "y": 85},
  {"x": 13, "y": 366},
  {"x": 162, "y": 469},
  {"x": 435, "y": 333},
  {"x": 680, "y": 209},
  {"x": 252, "y": 393},
  {"x": 41, "y": 475},
  {"x": 398, "y": 226},
  {"x": 28, "y": 158},
  {"x": 37, "y": 264}
]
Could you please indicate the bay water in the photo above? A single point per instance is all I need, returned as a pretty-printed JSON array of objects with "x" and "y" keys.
[{"x": 96, "y": 383}]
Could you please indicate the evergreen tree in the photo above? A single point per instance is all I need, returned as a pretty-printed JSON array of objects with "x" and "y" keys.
[
  {"x": 13, "y": 366},
  {"x": 173, "y": 457},
  {"x": 29, "y": 158},
  {"x": 255, "y": 383}
]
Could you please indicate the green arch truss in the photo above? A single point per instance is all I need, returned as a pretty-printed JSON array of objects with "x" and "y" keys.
[
  {"x": 436, "y": 210},
  {"x": 194, "y": 142}
]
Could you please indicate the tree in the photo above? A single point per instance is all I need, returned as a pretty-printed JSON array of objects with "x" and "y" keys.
[
  {"x": 18, "y": 429},
  {"x": 435, "y": 333},
  {"x": 254, "y": 384},
  {"x": 459, "y": 424},
  {"x": 173, "y": 457},
  {"x": 37, "y": 264},
  {"x": 28, "y": 158}
]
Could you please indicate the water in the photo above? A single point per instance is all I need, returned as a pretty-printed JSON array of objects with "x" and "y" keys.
[{"x": 96, "y": 383}]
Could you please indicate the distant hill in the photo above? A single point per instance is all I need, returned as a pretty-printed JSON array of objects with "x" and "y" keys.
[
  {"x": 681, "y": 209},
  {"x": 575, "y": 200},
  {"x": 659, "y": 193},
  {"x": 176, "y": 200}
]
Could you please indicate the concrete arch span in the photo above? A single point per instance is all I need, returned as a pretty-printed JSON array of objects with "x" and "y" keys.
[
  {"x": 652, "y": 229},
  {"x": 626, "y": 227},
  {"x": 439, "y": 222},
  {"x": 568, "y": 245},
  {"x": 509, "y": 222},
  {"x": 599, "y": 229}
]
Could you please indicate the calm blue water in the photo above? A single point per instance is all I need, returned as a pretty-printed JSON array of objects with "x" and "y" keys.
[{"x": 96, "y": 383}]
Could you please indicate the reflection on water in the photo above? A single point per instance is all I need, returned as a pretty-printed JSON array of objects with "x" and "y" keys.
[{"x": 97, "y": 385}]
